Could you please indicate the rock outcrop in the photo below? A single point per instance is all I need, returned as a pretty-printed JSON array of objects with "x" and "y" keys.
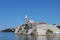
[{"x": 8, "y": 30}]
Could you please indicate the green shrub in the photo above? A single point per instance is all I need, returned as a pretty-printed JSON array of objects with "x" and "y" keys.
[{"x": 49, "y": 31}]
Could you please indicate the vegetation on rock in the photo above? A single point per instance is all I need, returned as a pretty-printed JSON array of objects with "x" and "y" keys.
[{"x": 8, "y": 30}]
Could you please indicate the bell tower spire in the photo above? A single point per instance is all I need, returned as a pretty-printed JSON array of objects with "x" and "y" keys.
[{"x": 26, "y": 19}]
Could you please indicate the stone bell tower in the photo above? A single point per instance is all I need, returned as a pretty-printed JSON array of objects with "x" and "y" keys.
[
  {"x": 26, "y": 19},
  {"x": 26, "y": 23}
]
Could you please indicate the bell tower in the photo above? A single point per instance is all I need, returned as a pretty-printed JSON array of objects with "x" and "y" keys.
[
  {"x": 26, "y": 19},
  {"x": 26, "y": 23}
]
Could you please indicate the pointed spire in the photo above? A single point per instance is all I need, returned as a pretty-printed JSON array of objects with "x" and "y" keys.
[{"x": 26, "y": 19}]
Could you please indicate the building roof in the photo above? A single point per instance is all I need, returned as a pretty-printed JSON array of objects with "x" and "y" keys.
[{"x": 41, "y": 23}]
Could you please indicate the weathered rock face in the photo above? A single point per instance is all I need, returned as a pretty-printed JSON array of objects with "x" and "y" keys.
[
  {"x": 48, "y": 26},
  {"x": 49, "y": 33},
  {"x": 24, "y": 29},
  {"x": 8, "y": 30},
  {"x": 37, "y": 29},
  {"x": 58, "y": 27},
  {"x": 41, "y": 32}
]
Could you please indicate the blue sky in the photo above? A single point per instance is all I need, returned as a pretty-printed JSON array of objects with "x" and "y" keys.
[{"x": 12, "y": 12}]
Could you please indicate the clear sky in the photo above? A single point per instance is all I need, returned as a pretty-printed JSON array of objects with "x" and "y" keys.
[{"x": 12, "y": 12}]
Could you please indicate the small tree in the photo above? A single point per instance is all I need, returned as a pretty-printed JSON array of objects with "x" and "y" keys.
[
  {"x": 49, "y": 31},
  {"x": 58, "y": 27}
]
